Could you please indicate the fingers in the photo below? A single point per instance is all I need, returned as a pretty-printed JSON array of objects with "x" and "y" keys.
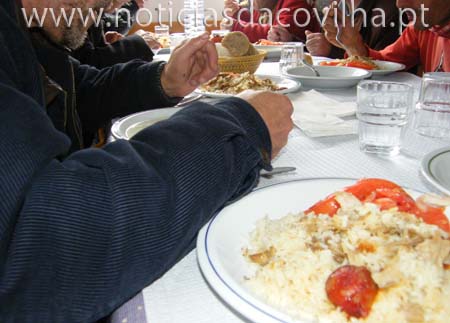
[{"x": 189, "y": 48}]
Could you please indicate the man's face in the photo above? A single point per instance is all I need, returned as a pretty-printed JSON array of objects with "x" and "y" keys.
[
  {"x": 437, "y": 12},
  {"x": 71, "y": 34}
]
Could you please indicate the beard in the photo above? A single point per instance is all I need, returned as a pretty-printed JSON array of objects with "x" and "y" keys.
[{"x": 74, "y": 36}]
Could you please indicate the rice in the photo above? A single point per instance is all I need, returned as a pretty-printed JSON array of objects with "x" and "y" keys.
[{"x": 295, "y": 255}]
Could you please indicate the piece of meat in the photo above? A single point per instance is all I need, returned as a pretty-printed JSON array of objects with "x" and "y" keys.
[{"x": 352, "y": 289}]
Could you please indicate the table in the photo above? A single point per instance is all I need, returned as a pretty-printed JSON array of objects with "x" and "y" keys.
[{"x": 182, "y": 294}]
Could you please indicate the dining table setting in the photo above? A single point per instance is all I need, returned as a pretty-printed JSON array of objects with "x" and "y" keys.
[{"x": 350, "y": 124}]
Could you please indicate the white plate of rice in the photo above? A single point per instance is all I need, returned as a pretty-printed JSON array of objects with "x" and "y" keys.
[{"x": 277, "y": 292}]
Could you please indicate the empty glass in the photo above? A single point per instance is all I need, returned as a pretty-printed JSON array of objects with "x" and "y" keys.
[
  {"x": 432, "y": 113},
  {"x": 291, "y": 56},
  {"x": 383, "y": 112}
]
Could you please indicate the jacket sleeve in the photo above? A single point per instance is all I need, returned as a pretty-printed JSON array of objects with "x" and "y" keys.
[
  {"x": 405, "y": 50},
  {"x": 82, "y": 235},
  {"x": 122, "y": 51},
  {"x": 118, "y": 91}
]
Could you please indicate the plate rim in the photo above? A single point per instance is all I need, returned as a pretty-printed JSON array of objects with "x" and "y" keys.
[
  {"x": 115, "y": 128},
  {"x": 329, "y": 78},
  {"x": 295, "y": 87},
  {"x": 227, "y": 291},
  {"x": 426, "y": 168}
]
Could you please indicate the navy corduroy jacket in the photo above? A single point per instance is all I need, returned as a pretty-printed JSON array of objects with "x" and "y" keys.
[{"x": 81, "y": 234}]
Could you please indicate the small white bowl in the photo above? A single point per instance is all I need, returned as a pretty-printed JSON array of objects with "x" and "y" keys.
[{"x": 331, "y": 77}]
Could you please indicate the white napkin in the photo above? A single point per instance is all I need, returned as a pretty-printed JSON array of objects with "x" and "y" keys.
[{"x": 318, "y": 115}]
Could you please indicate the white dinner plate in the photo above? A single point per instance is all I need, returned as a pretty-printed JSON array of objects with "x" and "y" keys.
[
  {"x": 387, "y": 68},
  {"x": 220, "y": 242},
  {"x": 436, "y": 169},
  {"x": 331, "y": 77},
  {"x": 127, "y": 127},
  {"x": 289, "y": 85},
  {"x": 273, "y": 51}
]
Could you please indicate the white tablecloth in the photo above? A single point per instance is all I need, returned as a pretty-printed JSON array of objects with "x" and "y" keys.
[{"x": 182, "y": 294}]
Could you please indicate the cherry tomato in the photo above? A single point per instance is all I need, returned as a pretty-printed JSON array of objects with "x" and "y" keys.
[{"x": 352, "y": 289}]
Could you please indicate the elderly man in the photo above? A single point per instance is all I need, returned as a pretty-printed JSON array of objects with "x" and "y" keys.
[
  {"x": 103, "y": 50},
  {"x": 83, "y": 230},
  {"x": 426, "y": 41}
]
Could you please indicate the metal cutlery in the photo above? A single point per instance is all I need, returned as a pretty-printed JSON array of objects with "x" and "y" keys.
[
  {"x": 276, "y": 171},
  {"x": 188, "y": 100},
  {"x": 310, "y": 67}
]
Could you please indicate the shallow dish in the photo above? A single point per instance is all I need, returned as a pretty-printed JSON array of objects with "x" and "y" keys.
[
  {"x": 387, "y": 68},
  {"x": 436, "y": 169},
  {"x": 331, "y": 77},
  {"x": 273, "y": 51},
  {"x": 289, "y": 85},
  {"x": 127, "y": 127}
]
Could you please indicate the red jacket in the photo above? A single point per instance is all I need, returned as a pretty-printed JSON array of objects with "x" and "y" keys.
[
  {"x": 417, "y": 47},
  {"x": 256, "y": 31}
]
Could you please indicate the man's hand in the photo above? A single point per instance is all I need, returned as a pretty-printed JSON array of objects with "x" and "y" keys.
[
  {"x": 350, "y": 36},
  {"x": 231, "y": 7},
  {"x": 279, "y": 33},
  {"x": 113, "y": 36},
  {"x": 192, "y": 63},
  {"x": 275, "y": 110},
  {"x": 149, "y": 38},
  {"x": 317, "y": 44}
]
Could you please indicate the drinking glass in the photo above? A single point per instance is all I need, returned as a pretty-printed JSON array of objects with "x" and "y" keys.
[
  {"x": 383, "y": 110},
  {"x": 432, "y": 113},
  {"x": 291, "y": 56},
  {"x": 161, "y": 31},
  {"x": 162, "y": 35}
]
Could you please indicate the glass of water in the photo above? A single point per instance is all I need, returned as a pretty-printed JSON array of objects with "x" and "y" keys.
[
  {"x": 432, "y": 113},
  {"x": 383, "y": 112},
  {"x": 291, "y": 56}
]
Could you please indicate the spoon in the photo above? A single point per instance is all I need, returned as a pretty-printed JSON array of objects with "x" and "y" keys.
[{"x": 311, "y": 67}]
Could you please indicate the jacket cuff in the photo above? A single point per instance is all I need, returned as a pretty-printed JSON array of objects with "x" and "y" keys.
[
  {"x": 150, "y": 87},
  {"x": 255, "y": 126}
]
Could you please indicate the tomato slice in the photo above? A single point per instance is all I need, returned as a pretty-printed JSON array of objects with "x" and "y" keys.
[
  {"x": 386, "y": 195},
  {"x": 352, "y": 289},
  {"x": 329, "y": 63},
  {"x": 327, "y": 206},
  {"x": 359, "y": 64},
  {"x": 433, "y": 215}
]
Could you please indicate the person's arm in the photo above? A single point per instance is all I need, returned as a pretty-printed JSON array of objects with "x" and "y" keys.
[
  {"x": 121, "y": 51},
  {"x": 118, "y": 90},
  {"x": 81, "y": 236},
  {"x": 134, "y": 86},
  {"x": 405, "y": 50}
]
